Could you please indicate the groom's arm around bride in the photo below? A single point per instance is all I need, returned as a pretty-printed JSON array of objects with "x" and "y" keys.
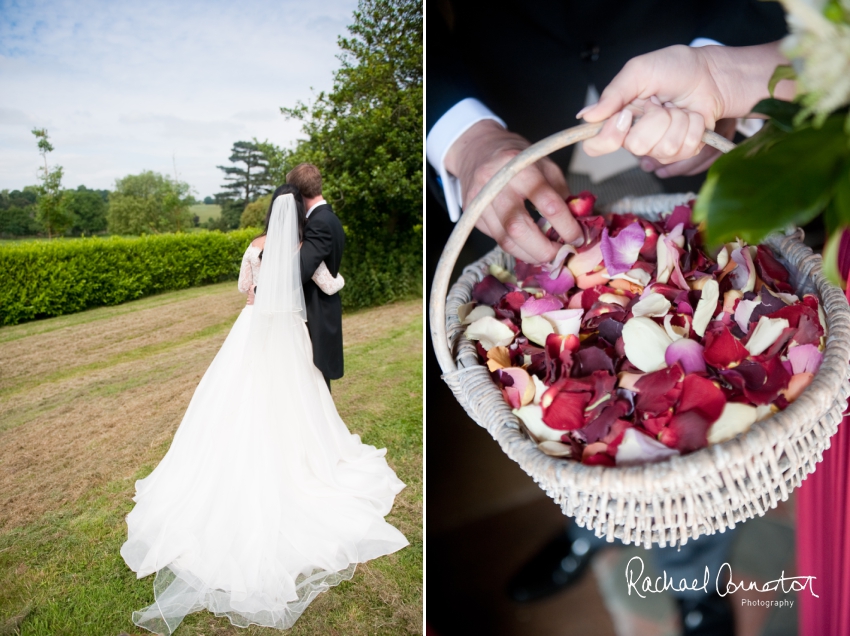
[{"x": 324, "y": 240}]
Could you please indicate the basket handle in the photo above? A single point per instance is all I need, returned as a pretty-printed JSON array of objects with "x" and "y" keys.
[{"x": 463, "y": 228}]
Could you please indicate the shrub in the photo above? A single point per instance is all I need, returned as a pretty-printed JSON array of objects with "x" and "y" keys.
[
  {"x": 254, "y": 214},
  {"x": 43, "y": 279}
]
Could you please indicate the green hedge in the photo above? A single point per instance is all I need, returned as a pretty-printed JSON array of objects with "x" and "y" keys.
[{"x": 49, "y": 278}]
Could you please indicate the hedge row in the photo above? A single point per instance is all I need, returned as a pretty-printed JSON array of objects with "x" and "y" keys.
[{"x": 52, "y": 278}]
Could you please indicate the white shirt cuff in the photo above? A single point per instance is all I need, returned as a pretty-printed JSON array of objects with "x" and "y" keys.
[
  {"x": 704, "y": 42},
  {"x": 456, "y": 121}
]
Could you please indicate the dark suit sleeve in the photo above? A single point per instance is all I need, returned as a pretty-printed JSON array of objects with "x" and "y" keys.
[
  {"x": 449, "y": 80},
  {"x": 317, "y": 246}
]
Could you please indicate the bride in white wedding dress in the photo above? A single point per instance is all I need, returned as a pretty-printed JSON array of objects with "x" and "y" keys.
[{"x": 265, "y": 499}]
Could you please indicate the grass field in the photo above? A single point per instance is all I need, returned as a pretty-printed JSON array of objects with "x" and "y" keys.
[
  {"x": 205, "y": 212},
  {"x": 89, "y": 403}
]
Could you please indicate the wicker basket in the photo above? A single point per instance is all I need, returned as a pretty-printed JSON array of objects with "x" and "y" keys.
[{"x": 683, "y": 497}]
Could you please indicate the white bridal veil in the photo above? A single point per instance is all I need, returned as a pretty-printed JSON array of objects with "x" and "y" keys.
[{"x": 279, "y": 289}]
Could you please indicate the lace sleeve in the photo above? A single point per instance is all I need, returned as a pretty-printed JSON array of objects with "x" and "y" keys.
[
  {"x": 246, "y": 276},
  {"x": 327, "y": 283}
]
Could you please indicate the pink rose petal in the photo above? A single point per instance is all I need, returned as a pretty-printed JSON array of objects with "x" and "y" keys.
[
  {"x": 743, "y": 277},
  {"x": 621, "y": 252},
  {"x": 536, "y": 306},
  {"x": 585, "y": 261},
  {"x": 743, "y": 312},
  {"x": 637, "y": 448},
  {"x": 561, "y": 284},
  {"x": 805, "y": 358},
  {"x": 688, "y": 353}
]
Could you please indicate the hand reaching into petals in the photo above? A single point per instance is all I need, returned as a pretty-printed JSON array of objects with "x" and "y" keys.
[{"x": 479, "y": 154}]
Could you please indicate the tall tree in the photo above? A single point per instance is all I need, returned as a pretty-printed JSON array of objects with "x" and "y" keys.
[
  {"x": 249, "y": 178},
  {"x": 50, "y": 213},
  {"x": 366, "y": 134},
  {"x": 149, "y": 202},
  {"x": 87, "y": 208}
]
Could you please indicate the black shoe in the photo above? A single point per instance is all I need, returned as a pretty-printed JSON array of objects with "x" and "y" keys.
[
  {"x": 710, "y": 615},
  {"x": 558, "y": 565}
]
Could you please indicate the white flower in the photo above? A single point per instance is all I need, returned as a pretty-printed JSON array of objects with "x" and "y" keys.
[{"x": 821, "y": 52}]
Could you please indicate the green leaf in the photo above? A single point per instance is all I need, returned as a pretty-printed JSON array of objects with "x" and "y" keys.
[
  {"x": 771, "y": 182},
  {"x": 781, "y": 112},
  {"x": 830, "y": 259},
  {"x": 783, "y": 71}
]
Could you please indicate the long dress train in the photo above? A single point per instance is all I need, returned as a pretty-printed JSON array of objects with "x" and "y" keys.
[{"x": 265, "y": 499}]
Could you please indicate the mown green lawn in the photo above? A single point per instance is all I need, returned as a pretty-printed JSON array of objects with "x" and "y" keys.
[{"x": 91, "y": 407}]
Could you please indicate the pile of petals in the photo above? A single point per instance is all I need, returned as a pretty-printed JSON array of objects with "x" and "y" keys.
[{"x": 640, "y": 344}]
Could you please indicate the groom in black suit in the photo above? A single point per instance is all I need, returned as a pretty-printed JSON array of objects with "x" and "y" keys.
[{"x": 324, "y": 240}]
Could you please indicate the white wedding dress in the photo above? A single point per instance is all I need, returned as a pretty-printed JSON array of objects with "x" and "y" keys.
[{"x": 265, "y": 499}]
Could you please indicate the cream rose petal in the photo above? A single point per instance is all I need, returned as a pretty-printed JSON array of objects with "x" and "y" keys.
[
  {"x": 735, "y": 418},
  {"x": 645, "y": 344},
  {"x": 652, "y": 304},
  {"x": 674, "y": 332},
  {"x": 539, "y": 389},
  {"x": 705, "y": 307},
  {"x": 477, "y": 313},
  {"x": 490, "y": 333},
  {"x": 565, "y": 321},
  {"x": 637, "y": 448},
  {"x": 536, "y": 328},
  {"x": 765, "y": 334},
  {"x": 532, "y": 416}
]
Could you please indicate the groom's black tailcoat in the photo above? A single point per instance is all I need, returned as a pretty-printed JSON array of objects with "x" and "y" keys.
[{"x": 324, "y": 240}]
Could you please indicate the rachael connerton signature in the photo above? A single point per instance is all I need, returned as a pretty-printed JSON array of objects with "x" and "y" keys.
[{"x": 641, "y": 584}]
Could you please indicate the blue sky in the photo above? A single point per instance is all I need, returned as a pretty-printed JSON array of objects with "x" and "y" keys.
[{"x": 129, "y": 86}]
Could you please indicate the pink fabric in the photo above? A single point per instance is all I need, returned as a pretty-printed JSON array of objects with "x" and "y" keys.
[{"x": 823, "y": 540}]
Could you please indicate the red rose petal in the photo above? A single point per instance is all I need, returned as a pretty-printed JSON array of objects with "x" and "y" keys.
[
  {"x": 564, "y": 410},
  {"x": 722, "y": 349},
  {"x": 581, "y": 204}
]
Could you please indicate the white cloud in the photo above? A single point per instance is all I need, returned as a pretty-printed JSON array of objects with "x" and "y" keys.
[{"x": 129, "y": 86}]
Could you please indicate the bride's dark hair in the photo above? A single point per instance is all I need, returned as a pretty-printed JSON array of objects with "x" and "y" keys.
[{"x": 287, "y": 188}]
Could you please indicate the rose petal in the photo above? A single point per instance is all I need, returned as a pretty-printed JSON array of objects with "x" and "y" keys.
[
  {"x": 521, "y": 382},
  {"x": 616, "y": 299},
  {"x": 489, "y": 291},
  {"x": 621, "y": 252},
  {"x": 463, "y": 311},
  {"x": 532, "y": 416},
  {"x": 490, "y": 333},
  {"x": 637, "y": 448},
  {"x": 805, "y": 358},
  {"x": 645, "y": 343},
  {"x": 651, "y": 305},
  {"x": 797, "y": 384},
  {"x": 565, "y": 321},
  {"x": 554, "y": 268},
  {"x": 536, "y": 329},
  {"x": 498, "y": 358},
  {"x": 561, "y": 284},
  {"x": 765, "y": 334},
  {"x": 536, "y": 306},
  {"x": 539, "y": 389},
  {"x": 743, "y": 312},
  {"x": 688, "y": 353},
  {"x": 706, "y": 307},
  {"x": 730, "y": 300},
  {"x": 581, "y": 204},
  {"x": 673, "y": 331},
  {"x": 735, "y": 419},
  {"x": 504, "y": 275},
  {"x": 585, "y": 261},
  {"x": 723, "y": 350},
  {"x": 477, "y": 313},
  {"x": 701, "y": 405},
  {"x": 556, "y": 449},
  {"x": 564, "y": 410},
  {"x": 743, "y": 277}
]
